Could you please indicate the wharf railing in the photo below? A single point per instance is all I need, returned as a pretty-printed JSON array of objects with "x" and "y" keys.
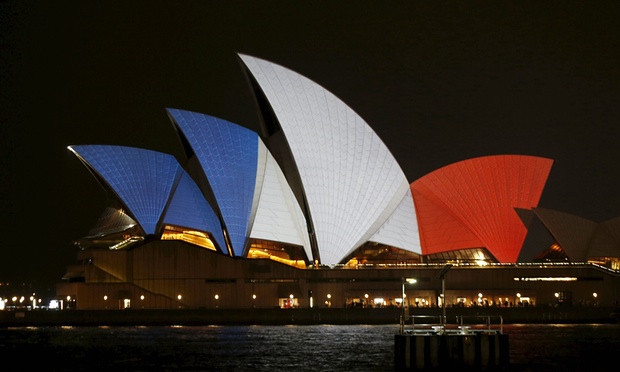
[
  {"x": 463, "y": 325},
  {"x": 470, "y": 343}
]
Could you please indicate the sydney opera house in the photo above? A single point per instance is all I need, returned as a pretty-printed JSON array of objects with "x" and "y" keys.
[{"x": 314, "y": 211}]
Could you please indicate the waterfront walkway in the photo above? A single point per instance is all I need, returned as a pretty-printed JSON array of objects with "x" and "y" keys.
[{"x": 576, "y": 315}]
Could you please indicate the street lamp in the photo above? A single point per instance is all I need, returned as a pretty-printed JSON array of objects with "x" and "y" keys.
[
  {"x": 442, "y": 275},
  {"x": 402, "y": 304},
  {"x": 405, "y": 281}
]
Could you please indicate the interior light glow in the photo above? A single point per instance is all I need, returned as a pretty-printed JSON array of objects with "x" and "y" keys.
[{"x": 546, "y": 279}]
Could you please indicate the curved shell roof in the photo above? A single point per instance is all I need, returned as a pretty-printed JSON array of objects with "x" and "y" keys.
[
  {"x": 573, "y": 233},
  {"x": 228, "y": 155},
  {"x": 142, "y": 179},
  {"x": 146, "y": 181},
  {"x": 472, "y": 203},
  {"x": 278, "y": 215},
  {"x": 352, "y": 182},
  {"x": 251, "y": 192}
]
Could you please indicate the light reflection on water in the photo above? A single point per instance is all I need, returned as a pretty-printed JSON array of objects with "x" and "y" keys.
[{"x": 279, "y": 348}]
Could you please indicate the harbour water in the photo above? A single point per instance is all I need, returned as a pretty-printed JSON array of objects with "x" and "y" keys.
[{"x": 299, "y": 348}]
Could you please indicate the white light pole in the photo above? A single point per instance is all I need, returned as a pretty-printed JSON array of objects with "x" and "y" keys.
[
  {"x": 402, "y": 303},
  {"x": 442, "y": 275}
]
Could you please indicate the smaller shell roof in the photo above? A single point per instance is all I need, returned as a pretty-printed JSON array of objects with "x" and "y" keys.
[
  {"x": 145, "y": 182},
  {"x": 573, "y": 233},
  {"x": 142, "y": 179}
]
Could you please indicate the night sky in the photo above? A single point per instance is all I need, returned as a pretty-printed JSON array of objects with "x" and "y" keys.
[{"x": 438, "y": 81}]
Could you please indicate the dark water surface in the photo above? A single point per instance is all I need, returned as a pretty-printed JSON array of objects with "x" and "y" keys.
[{"x": 285, "y": 348}]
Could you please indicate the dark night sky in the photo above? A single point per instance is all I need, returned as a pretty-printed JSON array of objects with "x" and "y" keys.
[{"x": 439, "y": 82}]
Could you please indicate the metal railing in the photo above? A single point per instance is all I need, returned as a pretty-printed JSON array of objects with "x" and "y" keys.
[{"x": 464, "y": 325}]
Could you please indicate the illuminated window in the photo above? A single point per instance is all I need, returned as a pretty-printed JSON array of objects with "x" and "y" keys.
[
  {"x": 288, "y": 254},
  {"x": 198, "y": 238}
]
